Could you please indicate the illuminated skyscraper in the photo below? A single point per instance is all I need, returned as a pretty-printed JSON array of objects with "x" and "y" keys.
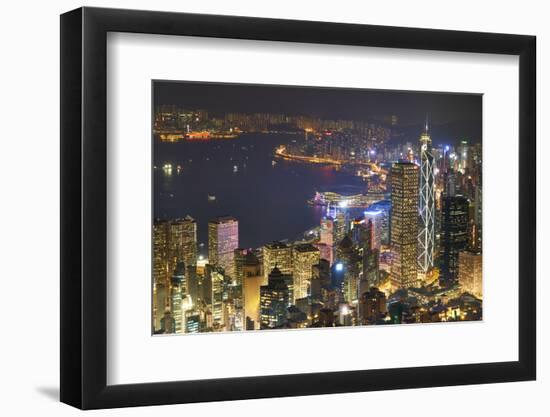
[
  {"x": 470, "y": 272},
  {"x": 173, "y": 241},
  {"x": 340, "y": 227},
  {"x": 304, "y": 256},
  {"x": 183, "y": 235},
  {"x": 325, "y": 251},
  {"x": 241, "y": 258},
  {"x": 404, "y": 224},
  {"x": 177, "y": 293},
  {"x": 192, "y": 321},
  {"x": 252, "y": 280},
  {"x": 160, "y": 303},
  {"x": 223, "y": 239},
  {"x": 160, "y": 252},
  {"x": 450, "y": 183},
  {"x": 320, "y": 279},
  {"x": 478, "y": 212},
  {"x": 192, "y": 284},
  {"x": 277, "y": 254},
  {"x": 348, "y": 260},
  {"x": 454, "y": 236},
  {"x": 274, "y": 300},
  {"x": 376, "y": 219},
  {"x": 370, "y": 257},
  {"x": 217, "y": 279},
  {"x": 382, "y": 207},
  {"x": 160, "y": 270},
  {"x": 327, "y": 238},
  {"x": 426, "y": 207},
  {"x": 462, "y": 150}
]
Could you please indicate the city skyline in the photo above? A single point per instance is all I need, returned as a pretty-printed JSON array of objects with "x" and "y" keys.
[
  {"x": 270, "y": 214},
  {"x": 321, "y": 102}
]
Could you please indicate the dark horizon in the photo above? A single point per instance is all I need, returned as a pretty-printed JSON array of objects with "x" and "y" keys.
[{"x": 410, "y": 107}]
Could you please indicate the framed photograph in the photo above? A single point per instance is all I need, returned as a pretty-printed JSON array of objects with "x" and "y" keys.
[{"x": 258, "y": 208}]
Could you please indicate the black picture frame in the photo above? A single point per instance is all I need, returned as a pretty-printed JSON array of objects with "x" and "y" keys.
[{"x": 84, "y": 207}]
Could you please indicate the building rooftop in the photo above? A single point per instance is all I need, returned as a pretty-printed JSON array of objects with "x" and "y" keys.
[
  {"x": 305, "y": 247},
  {"x": 276, "y": 245},
  {"x": 223, "y": 219}
]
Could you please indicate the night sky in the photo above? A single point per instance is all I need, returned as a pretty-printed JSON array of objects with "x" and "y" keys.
[{"x": 325, "y": 103}]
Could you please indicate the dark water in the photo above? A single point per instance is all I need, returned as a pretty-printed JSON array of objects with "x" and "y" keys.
[{"x": 269, "y": 201}]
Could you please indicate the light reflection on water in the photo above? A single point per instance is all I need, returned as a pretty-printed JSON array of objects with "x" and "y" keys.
[{"x": 269, "y": 200}]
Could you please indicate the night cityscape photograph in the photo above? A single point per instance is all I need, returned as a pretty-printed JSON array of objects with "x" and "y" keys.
[{"x": 286, "y": 207}]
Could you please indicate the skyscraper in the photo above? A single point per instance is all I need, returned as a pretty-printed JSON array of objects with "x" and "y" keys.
[
  {"x": 304, "y": 256},
  {"x": 327, "y": 231},
  {"x": 277, "y": 254},
  {"x": 160, "y": 270},
  {"x": 217, "y": 299},
  {"x": 327, "y": 238},
  {"x": 192, "y": 321},
  {"x": 184, "y": 239},
  {"x": 274, "y": 300},
  {"x": 223, "y": 239},
  {"x": 252, "y": 280},
  {"x": 370, "y": 254},
  {"x": 478, "y": 212},
  {"x": 160, "y": 252},
  {"x": 470, "y": 272},
  {"x": 242, "y": 257},
  {"x": 320, "y": 279},
  {"x": 192, "y": 284},
  {"x": 404, "y": 224},
  {"x": 173, "y": 241},
  {"x": 454, "y": 236},
  {"x": 383, "y": 207},
  {"x": 462, "y": 150},
  {"x": 177, "y": 293},
  {"x": 376, "y": 218},
  {"x": 426, "y": 207},
  {"x": 348, "y": 260},
  {"x": 340, "y": 226}
]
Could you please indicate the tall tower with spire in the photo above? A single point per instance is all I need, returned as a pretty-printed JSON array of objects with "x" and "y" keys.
[{"x": 426, "y": 204}]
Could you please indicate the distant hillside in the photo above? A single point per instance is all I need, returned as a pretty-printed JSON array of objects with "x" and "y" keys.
[{"x": 446, "y": 134}]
